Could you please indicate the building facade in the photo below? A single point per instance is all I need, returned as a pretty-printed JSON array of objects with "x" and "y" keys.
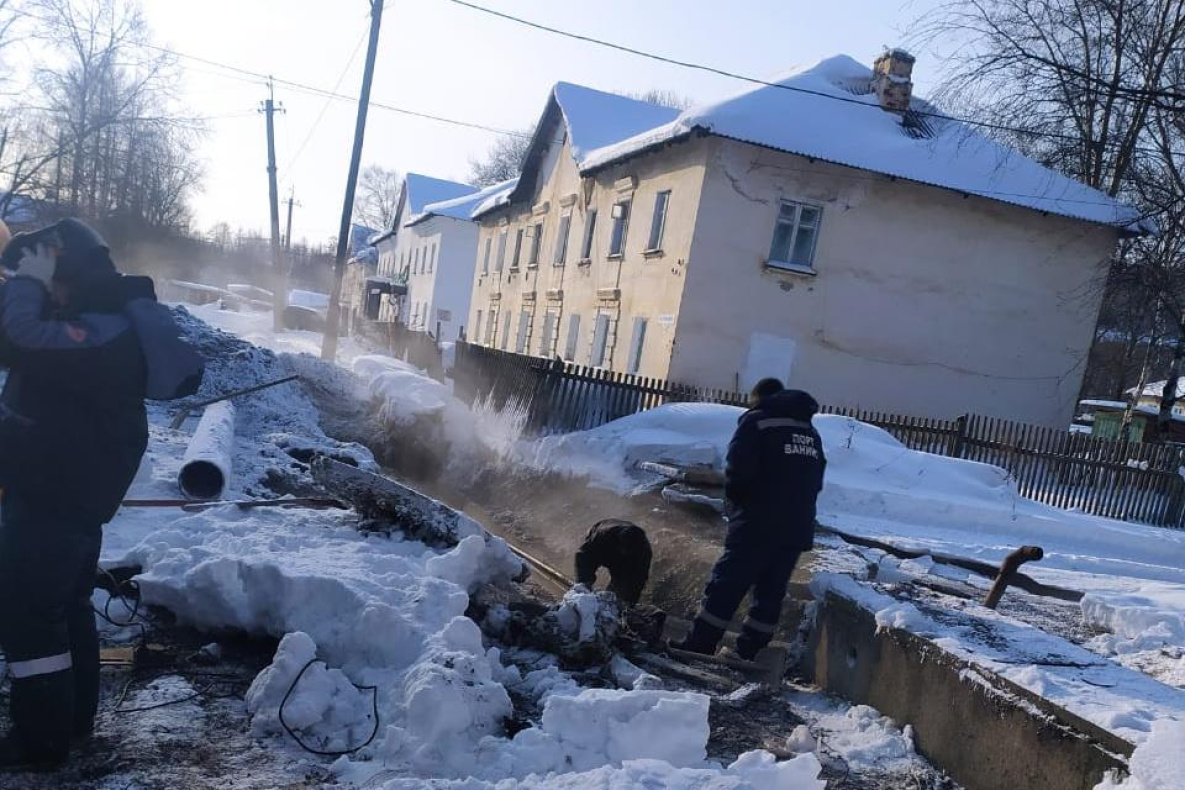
[{"x": 717, "y": 256}]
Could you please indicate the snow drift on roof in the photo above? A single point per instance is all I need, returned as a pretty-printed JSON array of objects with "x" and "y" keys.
[
  {"x": 596, "y": 119},
  {"x": 425, "y": 190},
  {"x": 466, "y": 206},
  {"x": 827, "y": 112}
]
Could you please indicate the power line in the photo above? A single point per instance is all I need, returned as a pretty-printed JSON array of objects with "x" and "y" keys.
[
  {"x": 325, "y": 106},
  {"x": 758, "y": 81},
  {"x": 247, "y": 75}
]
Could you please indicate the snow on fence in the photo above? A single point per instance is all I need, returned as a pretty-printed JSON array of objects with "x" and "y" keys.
[
  {"x": 416, "y": 348},
  {"x": 1115, "y": 479}
]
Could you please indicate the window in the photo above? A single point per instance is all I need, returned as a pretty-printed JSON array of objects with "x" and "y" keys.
[
  {"x": 658, "y": 222},
  {"x": 636, "y": 343},
  {"x": 432, "y": 260},
  {"x": 795, "y": 234},
  {"x": 547, "y": 340},
  {"x": 600, "y": 341},
  {"x": 485, "y": 266},
  {"x": 573, "y": 337},
  {"x": 561, "y": 240},
  {"x": 590, "y": 229},
  {"x": 524, "y": 332},
  {"x": 621, "y": 218},
  {"x": 536, "y": 244},
  {"x": 518, "y": 249},
  {"x": 477, "y": 324},
  {"x": 491, "y": 325},
  {"x": 501, "y": 249},
  {"x": 505, "y": 331}
]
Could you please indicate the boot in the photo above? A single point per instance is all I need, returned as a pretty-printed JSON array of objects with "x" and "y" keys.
[
  {"x": 702, "y": 639},
  {"x": 84, "y": 654},
  {"x": 42, "y": 711}
]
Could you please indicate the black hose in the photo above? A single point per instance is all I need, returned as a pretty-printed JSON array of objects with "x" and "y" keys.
[{"x": 373, "y": 733}]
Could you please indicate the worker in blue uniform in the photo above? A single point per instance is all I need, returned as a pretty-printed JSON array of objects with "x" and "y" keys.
[
  {"x": 773, "y": 476},
  {"x": 84, "y": 346}
]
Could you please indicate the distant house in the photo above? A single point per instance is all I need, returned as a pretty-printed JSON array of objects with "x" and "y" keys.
[
  {"x": 829, "y": 230},
  {"x": 431, "y": 249},
  {"x": 1106, "y": 420}
]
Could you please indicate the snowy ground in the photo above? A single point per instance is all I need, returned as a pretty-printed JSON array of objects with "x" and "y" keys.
[
  {"x": 370, "y": 624},
  {"x": 387, "y": 613},
  {"x": 1134, "y": 575}
]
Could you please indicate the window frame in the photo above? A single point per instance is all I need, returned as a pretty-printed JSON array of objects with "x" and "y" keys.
[
  {"x": 536, "y": 246},
  {"x": 816, "y": 227},
  {"x": 485, "y": 266},
  {"x": 548, "y": 333},
  {"x": 637, "y": 345},
  {"x": 595, "y": 359},
  {"x": 658, "y": 223},
  {"x": 622, "y": 223},
  {"x": 500, "y": 259},
  {"x": 522, "y": 339},
  {"x": 560, "y": 256},
  {"x": 518, "y": 249},
  {"x": 590, "y": 230},
  {"x": 572, "y": 342}
]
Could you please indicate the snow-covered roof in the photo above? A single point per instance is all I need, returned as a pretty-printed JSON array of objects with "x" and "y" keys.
[
  {"x": 829, "y": 112},
  {"x": 597, "y": 119},
  {"x": 592, "y": 119},
  {"x": 1103, "y": 404},
  {"x": 423, "y": 191},
  {"x": 466, "y": 206},
  {"x": 1156, "y": 389}
]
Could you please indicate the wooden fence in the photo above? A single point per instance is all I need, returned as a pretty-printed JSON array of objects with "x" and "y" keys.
[{"x": 1115, "y": 479}]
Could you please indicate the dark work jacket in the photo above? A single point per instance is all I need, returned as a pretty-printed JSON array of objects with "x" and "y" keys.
[
  {"x": 775, "y": 470},
  {"x": 623, "y": 549},
  {"x": 73, "y": 426}
]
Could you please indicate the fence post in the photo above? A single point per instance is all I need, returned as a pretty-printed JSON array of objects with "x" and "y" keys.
[{"x": 959, "y": 440}]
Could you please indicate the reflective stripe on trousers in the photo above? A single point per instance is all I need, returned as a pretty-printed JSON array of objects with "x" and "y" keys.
[{"x": 46, "y": 665}]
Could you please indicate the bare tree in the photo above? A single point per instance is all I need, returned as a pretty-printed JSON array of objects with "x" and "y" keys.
[
  {"x": 378, "y": 197},
  {"x": 1091, "y": 88},
  {"x": 662, "y": 97},
  {"x": 102, "y": 138},
  {"x": 1084, "y": 75},
  {"x": 503, "y": 161}
]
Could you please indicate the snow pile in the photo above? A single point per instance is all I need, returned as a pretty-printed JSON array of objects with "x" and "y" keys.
[
  {"x": 387, "y": 613},
  {"x": 403, "y": 392},
  {"x": 1145, "y": 629},
  {"x": 1158, "y": 763},
  {"x": 877, "y": 487},
  {"x": 331, "y": 712},
  {"x": 751, "y": 771},
  {"x": 1119, "y": 700},
  {"x": 463, "y": 207}
]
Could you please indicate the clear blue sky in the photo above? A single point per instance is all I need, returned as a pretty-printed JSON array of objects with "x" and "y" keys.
[{"x": 440, "y": 58}]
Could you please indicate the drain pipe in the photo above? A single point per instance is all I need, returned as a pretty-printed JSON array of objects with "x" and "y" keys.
[{"x": 205, "y": 469}]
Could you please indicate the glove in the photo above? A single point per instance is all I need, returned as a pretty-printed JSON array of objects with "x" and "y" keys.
[{"x": 38, "y": 263}]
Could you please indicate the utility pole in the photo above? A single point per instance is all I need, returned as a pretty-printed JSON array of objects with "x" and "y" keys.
[
  {"x": 333, "y": 319},
  {"x": 279, "y": 281},
  {"x": 291, "y": 201}
]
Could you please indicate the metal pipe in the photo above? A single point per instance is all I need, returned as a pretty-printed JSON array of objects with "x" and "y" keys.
[{"x": 206, "y": 467}]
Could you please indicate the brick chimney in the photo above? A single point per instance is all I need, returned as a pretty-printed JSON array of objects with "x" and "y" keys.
[{"x": 891, "y": 79}]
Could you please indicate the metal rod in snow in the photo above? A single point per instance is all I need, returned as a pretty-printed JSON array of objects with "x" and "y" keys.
[
  {"x": 184, "y": 414},
  {"x": 333, "y": 318},
  {"x": 205, "y": 469}
]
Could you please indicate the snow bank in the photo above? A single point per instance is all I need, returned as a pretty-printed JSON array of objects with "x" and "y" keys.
[
  {"x": 1121, "y": 701},
  {"x": 752, "y": 771},
  {"x": 877, "y": 487},
  {"x": 1158, "y": 764}
]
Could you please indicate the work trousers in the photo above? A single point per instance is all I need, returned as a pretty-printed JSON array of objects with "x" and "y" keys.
[
  {"x": 47, "y": 625},
  {"x": 751, "y": 561}
]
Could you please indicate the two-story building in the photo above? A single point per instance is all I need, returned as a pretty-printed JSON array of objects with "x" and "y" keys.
[
  {"x": 829, "y": 229},
  {"x": 431, "y": 250}
]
